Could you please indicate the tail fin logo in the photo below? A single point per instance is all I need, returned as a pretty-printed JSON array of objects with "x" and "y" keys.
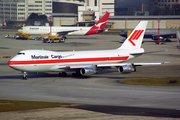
[
  {"x": 135, "y": 36},
  {"x": 99, "y": 25}
]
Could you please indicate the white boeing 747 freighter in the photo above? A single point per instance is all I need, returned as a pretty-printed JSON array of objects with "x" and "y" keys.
[{"x": 85, "y": 63}]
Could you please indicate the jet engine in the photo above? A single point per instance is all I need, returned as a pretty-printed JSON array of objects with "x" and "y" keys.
[
  {"x": 126, "y": 69},
  {"x": 87, "y": 71}
]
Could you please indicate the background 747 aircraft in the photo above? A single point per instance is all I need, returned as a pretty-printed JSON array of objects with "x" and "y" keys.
[
  {"x": 85, "y": 63},
  {"x": 63, "y": 31}
]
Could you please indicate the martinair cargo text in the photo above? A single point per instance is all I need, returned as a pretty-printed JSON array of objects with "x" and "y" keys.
[
  {"x": 85, "y": 63},
  {"x": 63, "y": 31}
]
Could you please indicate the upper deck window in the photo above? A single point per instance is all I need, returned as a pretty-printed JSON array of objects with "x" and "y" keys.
[{"x": 20, "y": 53}]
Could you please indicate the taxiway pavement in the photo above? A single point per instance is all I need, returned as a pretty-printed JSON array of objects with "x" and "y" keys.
[{"x": 100, "y": 89}]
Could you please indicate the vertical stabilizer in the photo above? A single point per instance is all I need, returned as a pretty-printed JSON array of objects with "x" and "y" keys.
[
  {"x": 135, "y": 38},
  {"x": 178, "y": 38},
  {"x": 99, "y": 26}
]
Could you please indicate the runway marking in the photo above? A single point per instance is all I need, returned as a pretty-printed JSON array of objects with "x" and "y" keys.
[
  {"x": 31, "y": 85},
  {"x": 54, "y": 80},
  {"x": 5, "y": 56}
]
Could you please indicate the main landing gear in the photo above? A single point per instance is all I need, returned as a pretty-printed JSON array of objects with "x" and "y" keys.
[
  {"x": 63, "y": 39},
  {"x": 24, "y": 77},
  {"x": 63, "y": 74}
]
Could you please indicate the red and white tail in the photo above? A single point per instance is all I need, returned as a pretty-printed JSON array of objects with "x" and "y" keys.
[
  {"x": 136, "y": 37},
  {"x": 99, "y": 26}
]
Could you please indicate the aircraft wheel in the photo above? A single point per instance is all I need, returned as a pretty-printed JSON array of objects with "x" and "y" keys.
[
  {"x": 74, "y": 74},
  {"x": 24, "y": 77},
  {"x": 168, "y": 40},
  {"x": 63, "y": 74},
  {"x": 63, "y": 39}
]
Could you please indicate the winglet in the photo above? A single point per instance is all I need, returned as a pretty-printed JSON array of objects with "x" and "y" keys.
[
  {"x": 99, "y": 26},
  {"x": 135, "y": 38}
]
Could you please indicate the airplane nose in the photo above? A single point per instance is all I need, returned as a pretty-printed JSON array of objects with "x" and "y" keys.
[
  {"x": 10, "y": 63},
  {"x": 13, "y": 65}
]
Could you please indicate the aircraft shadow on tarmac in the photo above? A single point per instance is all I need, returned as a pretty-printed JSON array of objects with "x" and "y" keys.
[
  {"x": 30, "y": 75},
  {"x": 56, "y": 75},
  {"x": 10, "y": 77},
  {"x": 130, "y": 111}
]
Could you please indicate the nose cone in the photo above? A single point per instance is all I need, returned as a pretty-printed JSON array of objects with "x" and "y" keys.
[
  {"x": 14, "y": 65},
  {"x": 11, "y": 63}
]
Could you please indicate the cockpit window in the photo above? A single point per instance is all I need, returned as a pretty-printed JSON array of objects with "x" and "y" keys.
[{"x": 20, "y": 53}]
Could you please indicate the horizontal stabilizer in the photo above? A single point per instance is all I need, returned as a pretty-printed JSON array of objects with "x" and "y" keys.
[
  {"x": 152, "y": 63},
  {"x": 148, "y": 52}
]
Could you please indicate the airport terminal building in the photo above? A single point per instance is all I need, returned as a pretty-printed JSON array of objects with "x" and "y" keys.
[
  {"x": 19, "y": 10},
  {"x": 71, "y": 12}
]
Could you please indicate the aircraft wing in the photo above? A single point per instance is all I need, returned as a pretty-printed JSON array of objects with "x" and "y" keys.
[
  {"x": 77, "y": 66},
  {"x": 73, "y": 66},
  {"x": 65, "y": 32}
]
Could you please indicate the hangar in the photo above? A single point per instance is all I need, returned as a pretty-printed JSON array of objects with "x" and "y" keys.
[
  {"x": 120, "y": 22},
  {"x": 126, "y": 22}
]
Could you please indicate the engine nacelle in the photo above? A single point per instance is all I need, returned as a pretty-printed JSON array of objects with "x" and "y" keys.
[
  {"x": 87, "y": 71},
  {"x": 126, "y": 69}
]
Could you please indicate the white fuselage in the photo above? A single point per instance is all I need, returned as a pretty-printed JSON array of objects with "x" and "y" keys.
[
  {"x": 45, "y": 61},
  {"x": 54, "y": 30}
]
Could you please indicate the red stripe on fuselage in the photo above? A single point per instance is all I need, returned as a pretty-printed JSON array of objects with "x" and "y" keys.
[{"x": 27, "y": 62}]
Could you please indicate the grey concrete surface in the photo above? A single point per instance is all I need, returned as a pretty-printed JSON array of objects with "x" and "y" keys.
[{"x": 102, "y": 90}]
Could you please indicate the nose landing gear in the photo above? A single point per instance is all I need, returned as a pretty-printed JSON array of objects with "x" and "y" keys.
[{"x": 24, "y": 77}]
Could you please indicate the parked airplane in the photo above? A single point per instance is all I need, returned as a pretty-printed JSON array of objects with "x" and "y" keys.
[
  {"x": 85, "y": 63},
  {"x": 178, "y": 38},
  {"x": 164, "y": 34},
  {"x": 63, "y": 31}
]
